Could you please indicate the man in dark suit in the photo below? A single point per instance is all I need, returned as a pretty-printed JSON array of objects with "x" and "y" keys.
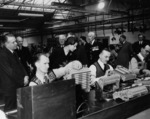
[
  {"x": 138, "y": 44},
  {"x": 23, "y": 54},
  {"x": 125, "y": 53},
  {"x": 13, "y": 74},
  {"x": 93, "y": 48},
  {"x": 61, "y": 40}
]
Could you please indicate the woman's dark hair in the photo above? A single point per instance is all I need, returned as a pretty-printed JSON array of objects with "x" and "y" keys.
[
  {"x": 123, "y": 36},
  {"x": 112, "y": 47},
  {"x": 71, "y": 41}
]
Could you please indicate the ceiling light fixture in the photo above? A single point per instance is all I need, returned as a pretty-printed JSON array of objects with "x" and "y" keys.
[
  {"x": 101, "y": 4},
  {"x": 30, "y": 15}
]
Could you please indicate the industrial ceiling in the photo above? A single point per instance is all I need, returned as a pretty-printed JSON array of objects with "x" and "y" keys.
[{"x": 42, "y": 15}]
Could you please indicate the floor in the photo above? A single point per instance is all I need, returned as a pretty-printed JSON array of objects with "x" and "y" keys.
[{"x": 142, "y": 115}]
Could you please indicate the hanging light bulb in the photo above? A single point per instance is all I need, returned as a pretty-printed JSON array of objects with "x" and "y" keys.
[{"x": 101, "y": 4}]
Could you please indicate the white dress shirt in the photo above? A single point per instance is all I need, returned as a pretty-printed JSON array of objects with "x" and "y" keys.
[
  {"x": 134, "y": 64},
  {"x": 93, "y": 71}
]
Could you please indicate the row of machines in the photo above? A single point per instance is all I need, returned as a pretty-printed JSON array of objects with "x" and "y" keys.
[
  {"x": 130, "y": 85},
  {"x": 118, "y": 84}
]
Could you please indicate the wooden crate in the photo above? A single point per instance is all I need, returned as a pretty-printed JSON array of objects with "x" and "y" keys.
[{"x": 50, "y": 101}]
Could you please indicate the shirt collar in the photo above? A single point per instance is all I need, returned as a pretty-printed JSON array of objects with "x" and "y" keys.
[
  {"x": 92, "y": 42},
  {"x": 124, "y": 42},
  {"x": 40, "y": 77},
  {"x": 11, "y": 50},
  {"x": 101, "y": 63},
  {"x": 141, "y": 57}
]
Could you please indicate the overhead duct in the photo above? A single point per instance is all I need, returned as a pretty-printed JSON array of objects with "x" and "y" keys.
[
  {"x": 30, "y": 15},
  {"x": 65, "y": 5}
]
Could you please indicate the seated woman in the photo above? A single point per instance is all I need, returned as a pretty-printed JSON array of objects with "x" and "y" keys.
[{"x": 42, "y": 73}]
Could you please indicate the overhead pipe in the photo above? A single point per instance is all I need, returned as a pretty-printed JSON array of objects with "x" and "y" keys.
[
  {"x": 10, "y": 21},
  {"x": 114, "y": 20},
  {"x": 77, "y": 29}
]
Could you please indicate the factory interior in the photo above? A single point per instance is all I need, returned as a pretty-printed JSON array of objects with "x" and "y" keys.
[{"x": 95, "y": 53}]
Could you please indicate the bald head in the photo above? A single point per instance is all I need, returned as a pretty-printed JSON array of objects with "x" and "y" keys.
[
  {"x": 62, "y": 39},
  {"x": 91, "y": 36}
]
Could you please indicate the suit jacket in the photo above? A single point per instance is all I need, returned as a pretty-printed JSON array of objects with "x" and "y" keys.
[
  {"x": 24, "y": 56},
  {"x": 124, "y": 55},
  {"x": 93, "y": 51},
  {"x": 137, "y": 46},
  {"x": 11, "y": 72}
]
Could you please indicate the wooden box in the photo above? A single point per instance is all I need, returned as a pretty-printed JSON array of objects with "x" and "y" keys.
[{"x": 50, "y": 101}]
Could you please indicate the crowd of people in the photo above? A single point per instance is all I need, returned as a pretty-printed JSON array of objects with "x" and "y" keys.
[{"x": 20, "y": 67}]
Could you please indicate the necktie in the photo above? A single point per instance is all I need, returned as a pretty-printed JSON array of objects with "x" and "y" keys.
[
  {"x": 46, "y": 79},
  {"x": 104, "y": 67}
]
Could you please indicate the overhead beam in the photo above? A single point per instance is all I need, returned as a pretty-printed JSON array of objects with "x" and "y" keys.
[{"x": 49, "y": 7}]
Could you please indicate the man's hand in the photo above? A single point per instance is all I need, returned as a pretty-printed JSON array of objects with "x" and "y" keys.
[
  {"x": 146, "y": 72},
  {"x": 99, "y": 80},
  {"x": 26, "y": 80},
  {"x": 108, "y": 72}
]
